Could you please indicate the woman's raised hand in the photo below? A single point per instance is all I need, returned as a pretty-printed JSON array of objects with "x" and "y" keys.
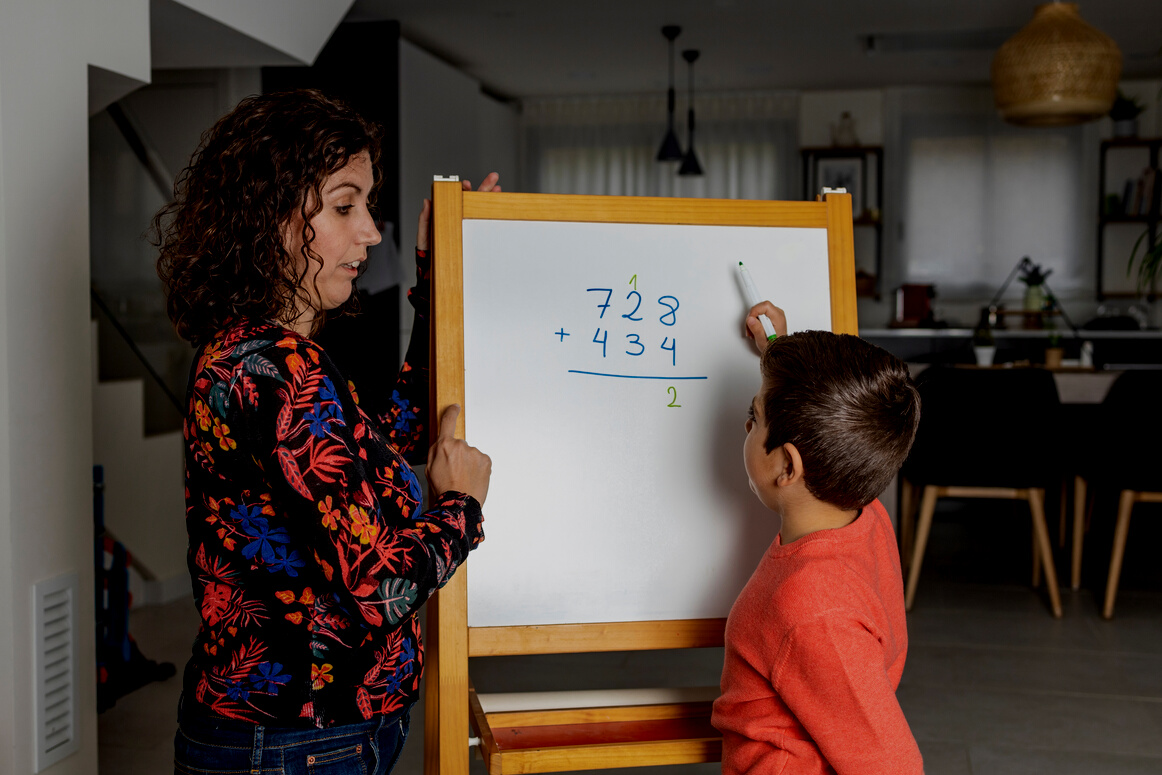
[
  {"x": 423, "y": 228},
  {"x": 453, "y": 465}
]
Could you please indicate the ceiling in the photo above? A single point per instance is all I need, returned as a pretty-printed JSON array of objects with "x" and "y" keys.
[{"x": 526, "y": 48}]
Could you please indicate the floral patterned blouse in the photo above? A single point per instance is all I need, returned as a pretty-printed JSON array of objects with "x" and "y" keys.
[{"x": 309, "y": 549}]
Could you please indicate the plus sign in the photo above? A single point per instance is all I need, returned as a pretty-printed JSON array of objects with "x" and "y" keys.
[{"x": 561, "y": 334}]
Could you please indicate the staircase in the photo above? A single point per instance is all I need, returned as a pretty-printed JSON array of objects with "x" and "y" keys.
[{"x": 144, "y": 488}]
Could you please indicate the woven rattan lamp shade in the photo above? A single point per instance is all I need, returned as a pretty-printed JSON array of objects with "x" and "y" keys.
[{"x": 1056, "y": 70}]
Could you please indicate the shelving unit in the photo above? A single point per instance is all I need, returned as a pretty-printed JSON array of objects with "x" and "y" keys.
[
  {"x": 1147, "y": 149},
  {"x": 860, "y": 169}
]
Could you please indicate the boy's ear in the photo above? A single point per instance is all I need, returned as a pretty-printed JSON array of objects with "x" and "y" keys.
[{"x": 792, "y": 466}]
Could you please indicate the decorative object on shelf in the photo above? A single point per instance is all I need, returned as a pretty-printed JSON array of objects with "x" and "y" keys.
[
  {"x": 1124, "y": 113},
  {"x": 1034, "y": 279},
  {"x": 984, "y": 346},
  {"x": 843, "y": 172},
  {"x": 1138, "y": 195},
  {"x": 859, "y": 169},
  {"x": 1086, "y": 359},
  {"x": 690, "y": 166},
  {"x": 1131, "y": 209},
  {"x": 1056, "y": 70},
  {"x": 914, "y": 306},
  {"x": 1033, "y": 276},
  {"x": 843, "y": 132},
  {"x": 865, "y": 283},
  {"x": 985, "y": 354},
  {"x": 1054, "y": 352},
  {"x": 670, "y": 149}
]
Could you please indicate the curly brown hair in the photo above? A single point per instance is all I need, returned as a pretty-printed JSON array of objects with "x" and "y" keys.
[{"x": 223, "y": 253}]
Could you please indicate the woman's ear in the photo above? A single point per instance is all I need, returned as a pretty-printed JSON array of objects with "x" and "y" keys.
[{"x": 791, "y": 470}]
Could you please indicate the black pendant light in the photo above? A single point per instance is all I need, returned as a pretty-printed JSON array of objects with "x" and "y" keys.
[
  {"x": 690, "y": 166},
  {"x": 671, "y": 150}
]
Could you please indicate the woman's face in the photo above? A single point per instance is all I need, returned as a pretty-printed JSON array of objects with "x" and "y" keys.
[{"x": 344, "y": 229}]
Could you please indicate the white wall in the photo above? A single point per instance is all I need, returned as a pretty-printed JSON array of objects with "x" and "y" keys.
[
  {"x": 299, "y": 28},
  {"x": 45, "y": 410},
  {"x": 446, "y": 127}
]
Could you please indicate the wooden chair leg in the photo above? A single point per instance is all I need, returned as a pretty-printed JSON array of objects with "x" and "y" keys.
[
  {"x": 1036, "y": 559},
  {"x": 927, "y": 509},
  {"x": 907, "y": 521},
  {"x": 1125, "y": 506},
  {"x": 1079, "y": 495},
  {"x": 1037, "y": 507},
  {"x": 1090, "y": 504}
]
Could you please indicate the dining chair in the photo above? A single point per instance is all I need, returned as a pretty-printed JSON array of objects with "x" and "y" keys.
[
  {"x": 984, "y": 433},
  {"x": 1120, "y": 453}
]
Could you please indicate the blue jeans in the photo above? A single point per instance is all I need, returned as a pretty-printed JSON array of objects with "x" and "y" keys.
[{"x": 221, "y": 746}]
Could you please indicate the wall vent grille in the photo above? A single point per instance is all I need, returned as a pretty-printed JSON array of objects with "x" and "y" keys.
[{"x": 55, "y": 656}]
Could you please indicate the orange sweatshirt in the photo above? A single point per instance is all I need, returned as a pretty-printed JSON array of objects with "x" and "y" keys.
[{"x": 815, "y": 647}]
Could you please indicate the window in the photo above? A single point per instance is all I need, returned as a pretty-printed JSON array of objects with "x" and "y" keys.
[
  {"x": 979, "y": 195},
  {"x": 608, "y": 146}
]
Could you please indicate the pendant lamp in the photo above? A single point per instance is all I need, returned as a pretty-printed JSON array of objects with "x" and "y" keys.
[
  {"x": 690, "y": 166},
  {"x": 670, "y": 149},
  {"x": 1056, "y": 70}
]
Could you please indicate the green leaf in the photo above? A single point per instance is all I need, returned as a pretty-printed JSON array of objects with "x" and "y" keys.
[
  {"x": 217, "y": 399},
  {"x": 251, "y": 345},
  {"x": 1149, "y": 265},
  {"x": 256, "y": 364},
  {"x": 399, "y": 595}
]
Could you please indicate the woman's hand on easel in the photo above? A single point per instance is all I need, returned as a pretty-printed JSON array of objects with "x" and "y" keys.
[
  {"x": 454, "y": 465},
  {"x": 423, "y": 228},
  {"x": 754, "y": 327}
]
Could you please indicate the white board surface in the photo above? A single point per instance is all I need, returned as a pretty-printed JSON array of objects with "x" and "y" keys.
[{"x": 618, "y": 491}]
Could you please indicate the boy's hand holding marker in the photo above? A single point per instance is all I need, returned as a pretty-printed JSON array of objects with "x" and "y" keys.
[
  {"x": 754, "y": 326},
  {"x": 764, "y": 321}
]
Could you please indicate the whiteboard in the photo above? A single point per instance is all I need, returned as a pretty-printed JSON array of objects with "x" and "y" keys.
[{"x": 618, "y": 491}]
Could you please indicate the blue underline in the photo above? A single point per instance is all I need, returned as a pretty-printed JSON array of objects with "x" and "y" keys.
[{"x": 628, "y": 376}]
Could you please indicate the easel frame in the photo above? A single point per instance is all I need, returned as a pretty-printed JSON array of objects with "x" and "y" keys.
[{"x": 449, "y": 703}]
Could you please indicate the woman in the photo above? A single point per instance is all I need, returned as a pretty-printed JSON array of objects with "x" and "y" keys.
[{"x": 310, "y": 550}]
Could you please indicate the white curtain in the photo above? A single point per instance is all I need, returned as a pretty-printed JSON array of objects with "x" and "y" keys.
[
  {"x": 607, "y": 145},
  {"x": 978, "y": 195}
]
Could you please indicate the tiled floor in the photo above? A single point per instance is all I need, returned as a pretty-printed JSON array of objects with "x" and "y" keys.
[{"x": 994, "y": 684}]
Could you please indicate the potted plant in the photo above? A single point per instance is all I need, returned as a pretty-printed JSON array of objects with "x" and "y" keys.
[
  {"x": 1054, "y": 352},
  {"x": 1124, "y": 113},
  {"x": 984, "y": 346},
  {"x": 1033, "y": 276}
]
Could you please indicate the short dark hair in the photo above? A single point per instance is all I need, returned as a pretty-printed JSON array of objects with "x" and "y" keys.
[
  {"x": 221, "y": 239},
  {"x": 849, "y": 407}
]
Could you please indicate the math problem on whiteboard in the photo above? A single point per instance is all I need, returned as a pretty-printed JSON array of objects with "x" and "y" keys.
[{"x": 637, "y": 337}]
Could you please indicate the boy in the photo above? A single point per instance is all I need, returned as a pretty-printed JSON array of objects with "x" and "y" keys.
[{"x": 815, "y": 643}]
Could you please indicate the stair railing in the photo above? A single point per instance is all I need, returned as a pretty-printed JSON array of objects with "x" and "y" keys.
[{"x": 120, "y": 329}]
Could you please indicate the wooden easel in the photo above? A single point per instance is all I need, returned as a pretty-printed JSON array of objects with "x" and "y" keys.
[{"x": 661, "y": 730}]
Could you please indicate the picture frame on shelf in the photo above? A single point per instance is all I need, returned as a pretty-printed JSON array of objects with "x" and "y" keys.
[
  {"x": 859, "y": 170},
  {"x": 843, "y": 172}
]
